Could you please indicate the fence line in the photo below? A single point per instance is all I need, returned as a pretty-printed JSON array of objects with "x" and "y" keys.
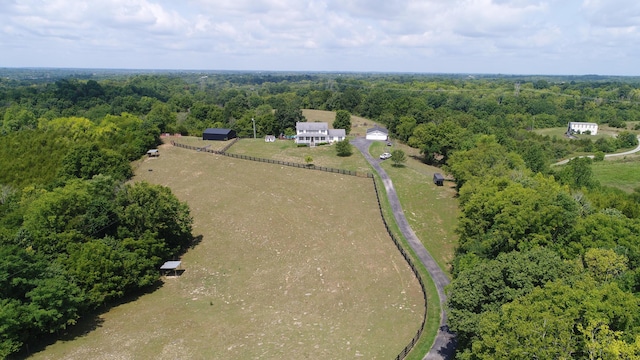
[
  {"x": 416, "y": 273},
  {"x": 224, "y": 152},
  {"x": 398, "y": 244}
]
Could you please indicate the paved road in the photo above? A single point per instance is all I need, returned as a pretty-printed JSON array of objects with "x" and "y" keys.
[
  {"x": 444, "y": 344},
  {"x": 606, "y": 156}
]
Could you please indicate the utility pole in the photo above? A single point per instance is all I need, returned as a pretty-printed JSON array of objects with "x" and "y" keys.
[{"x": 254, "y": 127}]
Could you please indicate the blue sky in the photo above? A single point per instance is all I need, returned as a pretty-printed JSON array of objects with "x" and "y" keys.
[{"x": 572, "y": 37}]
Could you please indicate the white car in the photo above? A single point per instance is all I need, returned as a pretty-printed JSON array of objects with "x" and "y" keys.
[{"x": 385, "y": 156}]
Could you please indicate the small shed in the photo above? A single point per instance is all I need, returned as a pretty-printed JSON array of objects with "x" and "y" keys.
[
  {"x": 438, "y": 179},
  {"x": 377, "y": 133},
  {"x": 218, "y": 134},
  {"x": 153, "y": 153},
  {"x": 170, "y": 266}
]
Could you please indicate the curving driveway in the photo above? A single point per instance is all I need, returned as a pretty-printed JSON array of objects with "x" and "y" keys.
[
  {"x": 444, "y": 344},
  {"x": 606, "y": 156}
]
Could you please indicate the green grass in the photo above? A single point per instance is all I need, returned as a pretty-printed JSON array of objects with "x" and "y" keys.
[
  {"x": 432, "y": 324},
  {"x": 623, "y": 174},
  {"x": 292, "y": 264},
  {"x": 432, "y": 211},
  {"x": 286, "y": 150}
]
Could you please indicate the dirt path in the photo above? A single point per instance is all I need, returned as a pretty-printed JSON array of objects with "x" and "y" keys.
[
  {"x": 444, "y": 343},
  {"x": 606, "y": 156}
]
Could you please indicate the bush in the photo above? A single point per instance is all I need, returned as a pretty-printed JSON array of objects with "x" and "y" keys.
[
  {"x": 599, "y": 156},
  {"x": 616, "y": 123},
  {"x": 343, "y": 148}
]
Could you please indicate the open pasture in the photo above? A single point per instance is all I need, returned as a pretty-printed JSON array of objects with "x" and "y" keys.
[
  {"x": 291, "y": 264},
  {"x": 623, "y": 174},
  {"x": 287, "y": 150}
]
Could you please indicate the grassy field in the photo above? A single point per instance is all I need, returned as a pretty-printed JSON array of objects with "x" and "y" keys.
[
  {"x": 292, "y": 264},
  {"x": 620, "y": 173},
  {"x": 432, "y": 211}
]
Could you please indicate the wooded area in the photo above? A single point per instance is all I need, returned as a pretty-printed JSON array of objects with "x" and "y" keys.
[{"x": 547, "y": 262}]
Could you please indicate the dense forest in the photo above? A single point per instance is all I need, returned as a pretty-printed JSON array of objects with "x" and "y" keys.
[{"x": 548, "y": 261}]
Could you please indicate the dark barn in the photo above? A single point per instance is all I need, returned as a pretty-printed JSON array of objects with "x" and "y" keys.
[
  {"x": 218, "y": 134},
  {"x": 438, "y": 179}
]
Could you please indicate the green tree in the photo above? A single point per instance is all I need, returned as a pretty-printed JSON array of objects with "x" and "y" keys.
[
  {"x": 405, "y": 128},
  {"x": 84, "y": 161},
  {"x": 161, "y": 116},
  {"x": 487, "y": 158},
  {"x": 487, "y": 285},
  {"x": 627, "y": 139},
  {"x": 143, "y": 207},
  {"x": 543, "y": 323},
  {"x": 344, "y": 148},
  {"x": 500, "y": 215},
  {"x": 286, "y": 116},
  {"x": 577, "y": 173},
  {"x": 398, "y": 157},
  {"x": 438, "y": 142},
  {"x": 343, "y": 121},
  {"x": 604, "y": 264}
]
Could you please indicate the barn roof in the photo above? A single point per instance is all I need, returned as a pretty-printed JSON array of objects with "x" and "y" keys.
[{"x": 217, "y": 131}]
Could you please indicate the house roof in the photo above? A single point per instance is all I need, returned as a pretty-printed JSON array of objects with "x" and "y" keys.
[
  {"x": 582, "y": 123},
  {"x": 337, "y": 132},
  {"x": 311, "y": 126},
  {"x": 377, "y": 128},
  {"x": 217, "y": 131}
]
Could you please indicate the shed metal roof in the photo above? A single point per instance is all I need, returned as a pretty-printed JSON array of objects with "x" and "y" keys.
[{"x": 170, "y": 265}]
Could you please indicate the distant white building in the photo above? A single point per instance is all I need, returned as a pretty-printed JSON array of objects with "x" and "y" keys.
[
  {"x": 313, "y": 133},
  {"x": 582, "y": 127},
  {"x": 377, "y": 133}
]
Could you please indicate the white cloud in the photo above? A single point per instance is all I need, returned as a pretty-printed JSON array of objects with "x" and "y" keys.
[
  {"x": 287, "y": 34},
  {"x": 612, "y": 13}
]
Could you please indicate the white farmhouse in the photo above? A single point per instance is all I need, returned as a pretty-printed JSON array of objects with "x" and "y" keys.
[
  {"x": 377, "y": 133},
  {"x": 582, "y": 127},
  {"x": 313, "y": 133}
]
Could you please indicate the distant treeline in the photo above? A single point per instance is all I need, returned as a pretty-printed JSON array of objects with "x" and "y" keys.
[{"x": 547, "y": 261}]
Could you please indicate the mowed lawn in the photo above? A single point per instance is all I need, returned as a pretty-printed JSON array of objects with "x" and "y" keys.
[
  {"x": 292, "y": 264},
  {"x": 622, "y": 174},
  {"x": 432, "y": 211}
]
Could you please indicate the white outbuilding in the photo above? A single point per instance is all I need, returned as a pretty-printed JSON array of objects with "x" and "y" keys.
[{"x": 377, "y": 133}]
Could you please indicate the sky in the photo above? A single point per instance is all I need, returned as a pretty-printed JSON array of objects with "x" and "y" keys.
[{"x": 547, "y": 37}]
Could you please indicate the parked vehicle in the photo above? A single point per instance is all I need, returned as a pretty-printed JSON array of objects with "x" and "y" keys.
[{"x": 385, "y": 156}]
